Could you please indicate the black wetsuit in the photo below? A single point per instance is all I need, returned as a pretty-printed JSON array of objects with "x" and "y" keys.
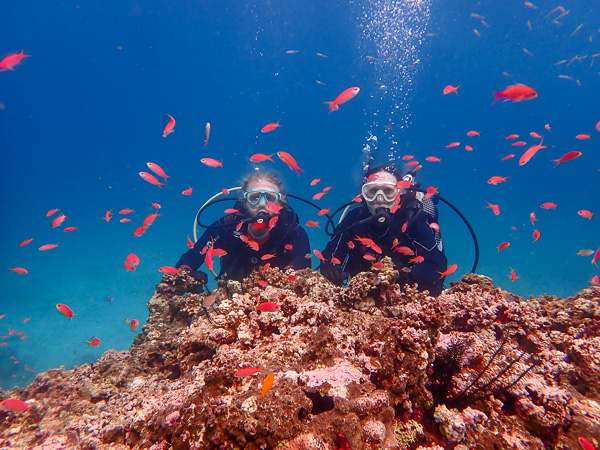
[
  {"x": 241, "y": 260},
  {"x": 418, "y": 236}
]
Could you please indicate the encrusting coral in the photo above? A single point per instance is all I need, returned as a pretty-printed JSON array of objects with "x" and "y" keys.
[{"x": 367, "y": 367}]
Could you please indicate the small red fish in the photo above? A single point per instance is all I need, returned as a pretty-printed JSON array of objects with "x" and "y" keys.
[
  {"x": 93, "y": 342},
  {"x": 516, "y": 93},
  {"x": 511, "y": 136},
  {"x": 318, "y": 195},
  {"x": 13, "y": 404},
  {"x": 289, "y": 160},
  {"x": 585, "y": 444},
  {"x": 268, "y": 307},
  {"x": 434, "y": 226},
  {"x": 369, "y": 257},
  {"x": 532, "y": 218},
  {"x": 595, "y": 280},
  {"x": 155, "y": 205},
  {"x": 267, "y": 384},
  {"x": 350, "y": 244},
  {"x": 25, "y": 242},
  {"x": 518, "y": 144},
  {"x": 530, "y": 152},
  {"x": 128, "y": 266},
  {"x": 345, "y": 96},
  {"x": 335, "y": 261},
  {"x": 509, "y": 156},
  {"x": 139, "y": 231},
  {"x": 169, "y": 127},
  {"x": 430, "y": 192},
  {"x": 65, "y": 310},
  {"x": 312, "y": 224},
  {"x": 513, "y": 275},
  {"x": 497, "y": 179},
  {"x": 450, "y": 89},
  {"x": 108, "y": 215},
  {"x": 404, "y": 250},
  {"x": 583, "y": 213},
  {"x": 533, "y": 134},
  {"x": 272, "y": 222},
  {"x": 211, "y": 162},
  {"x": 148, "y": 177},
  {"x": 132, "y": 259},
  {"x": 247, "y": 371},
  {"x": 433, "y": 159},
  {"x": 322, "y": 212},
  {"x": 9, "y": 62},
  {"x": 536, "y": 235},
  {"x": 503, "y": 246},
  {"x": 260, "y": 157},
  {"x": 58, "y": 220},
  {"x": 566, "y": 157},
  {"x": 149, "y": 219},
  {"x": 377, "y": 265},
  {"x": 270, "y": 127},
  {"x": 262, "y": 283},
  {"x": 168, "y": 270},
  {"x": 468, "y": 148},
  {"x": 473, "y": 133},
  {"x": 548, "y": 205},
  {"x": 48, "y": 247},
  {"x": 451, "y": 269},
  {"x": 583, "y": 136},
  {"x": 417, "y": 260},
  {"x": 596, "y": 257},
  {"x": 19, "y": 270},
  {"x": 157, "y": 170},
  {"x": 494, "y": 207},
  {"x": 207, "y": 130},
  {"x": 134, "y": 324},
  {"x": 547, "y": 126},
  {"x": 187, "y": 191},
  {"x": 452, "y": 144},
  {"x": 126, "y": 211},
  {"x": 273, "y": 208},
  {"x": 319, "y": 255},
  {"x": 267, "y": 256},
  {"x": 315, "y": 181}
]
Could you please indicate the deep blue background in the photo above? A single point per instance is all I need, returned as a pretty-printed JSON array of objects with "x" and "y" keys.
[{"x": 82, "y": 116}]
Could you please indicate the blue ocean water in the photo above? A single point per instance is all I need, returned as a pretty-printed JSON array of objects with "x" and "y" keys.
[{"x": 85, "y": 113}]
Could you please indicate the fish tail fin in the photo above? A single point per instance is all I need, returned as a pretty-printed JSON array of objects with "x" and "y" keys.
[
  {"x": 557, "y": 161},
  {"x": 332, "y": 106},
  {"x": 298, "y": 170},
  {"x": 498, "y": 96},
  {"x": 205, "y": 142},
  {"x": 269, "y": 157}
]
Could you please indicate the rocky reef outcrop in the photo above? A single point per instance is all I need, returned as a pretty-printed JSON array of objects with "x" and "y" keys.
[{"x": 286, "y": 360}]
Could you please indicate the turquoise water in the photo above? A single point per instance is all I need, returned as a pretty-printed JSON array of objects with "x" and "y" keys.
[{"x": 85, "y": 113}]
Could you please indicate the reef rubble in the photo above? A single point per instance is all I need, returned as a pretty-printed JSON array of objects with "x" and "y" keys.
[{"x": 370, "y": 366}]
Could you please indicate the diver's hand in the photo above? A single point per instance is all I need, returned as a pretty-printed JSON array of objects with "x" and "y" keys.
[{"x": 334, "y": 273}]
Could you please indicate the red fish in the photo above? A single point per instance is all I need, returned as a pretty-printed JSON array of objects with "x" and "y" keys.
[
  {"x": 149, "y": 219},
  {"x": 187, "y": 191},
  {"x": 566, "y": 157},
  {"x": 513, "y": 275},
  {"x": 155, "y": 205},
  {"x": 536, "y": 235},
  {"x": 417, "y": 260},
  {"x": 473, "y": 133},
  {"x": 585, "y": 445},
  {"x": 139, "y": 231},
  {"x": 518, "y": 144},
  {"x": 126, "y": 211},
  {"x": 369, "y": 257},
  {"x": 547, "y": 126},
  {"x": 108, "y": 215},
  {"x": 247, "y": 371},
  {"x": 211, "y": 162},
  {"x": 65, "y": 310},
  {"x": 430, "y": 192},
  {"x": 19, "y": 270},
  {"x": 14, "y": 404},
  {"x": 404, "y": 250},
  {"x": 583, "y": 213},
  {"x": 260, "y": 157},
  {"x": 168, "y": 270},
  {"x": 583, "y": 136},
  {"x": 151, "y": 179},
  {"x": 468, "y": 148},
  {"x": 315, "y": 181},
  {"x": 510, "y": 156},
  {"x": 451, "y": 269},
  {"x": 335, "y": 261},
  {"x": 516, "y": 93},
  {"x": 270, "y": 127},
  {"x": 496, "y": 179},
  {"x": 128, "y": 266},
  {"x": 503, "y": 246},
  {"x": 25, "y": 242},
  {"x": 412, "y": 163},
  {"x": 318, "y": 196},
  {"x": 595, "y": 281},
  {"x": 369, "y": 243},
  {"x": 494, "y": 207},
  {"x": 272, "y": 222},
  {"x": 511, "y": 136},
  {"x": 290, "y": 162},
  {"x": 125, "y": 220},
  {"x": 548, "y": 205},
  {"x": 312, "y": 224},
  {"x": 207, "y": 130},
  {"x": 452, "y": 144},
  {"x": 530, "y": 152},
  {"x": 157, "y": 170},
  {"x": 93, "y": 342},
  {"x": 134, "y": 324},
  {"x": 11, "y": 61},
  {"x": 273, "y": 208},
  {"x": 532, "y": 218},
  {"x": 58, "y": 220},
  {"x": 48, "y": 247},
  {"x": 533, "y": 134},
  {"x": 267, "y": 256},
  {"x": 596, "y": 256},
  {"x": 449, "y": 89},
  {"x": 319, "y": 255},
  {"x": 433, "y": 159},
  {"x": 345, "y": 96},
  {"x": 322, "y": 212},
  {"x": 268, "y": 307},
  {"x": 132, "y": 259},
  {"x": 169, "y": 127}
]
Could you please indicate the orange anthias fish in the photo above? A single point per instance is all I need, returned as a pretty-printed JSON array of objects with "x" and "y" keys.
[
  {"x": 25, "y": 242},
  {"x": 449, "y": 89},
  {"x": 157, "y": 170},
  {"x": 532, "y": 218},
  {"x": 58, "y": 220},
  {"x": 211, "y": 162},
  {"x": 585, "y": 214},
  {"x": 65, "y": 310},
  {"x": 319, "y": 255},
  {"x": 133, "y": 259},
  {"x": 513, "y": 275},
  {"x": 148, "y": 177},
  {"x": 290, "y": 162},
  {"x": 473, "y": 133},
  {"x": 345, "y": 96},
  {"x": 452, "y": 144},
  {"x": 93, "y": 342},
  {"x": 503, "y": 246},
  {"x": 268, "y": 307},
  {"x": 51, "y": 246},
  {"x": 270, "y": 127},
  {"x": 259, "y": 157},
  {"x": 126, "y": 211},
  {"x": 168, "y": 270},
  {"x": 548, "y": 205},
  {"x": 19, "y": 270},
  {"x": 128, "y": 266},
  {"x": 14, "y": 404},
  {"x": 530, "y": 152},
  {"x": 494, "y": 207},
  {"x": 516, "y": 93},
  {"x": 536, "y": 235},
  {"x": 169, "y": 127},
  {"x": 11, "y": 61},
  {"x": 187, "y": 191},
  {"x": 247, "y": 371},
  {"x": 267, "y": 384},
  {"x": 315, "y": 181},
  {"x": 108, "y": 215},
  {"x": 566, "y": 157},
  {"x": 451, "y": 269},
  {"x": 496, "y": 179},
  {"x": 139, "y": 231},
  {"x": 312, "y": 224},
  {"x": 585, "y": 444},
  {"x": 583, "y": 136},
  {"x": 596, "y": 256},
  {"x": 51, "y": 212},
  {"x": 134, "y": 324}
]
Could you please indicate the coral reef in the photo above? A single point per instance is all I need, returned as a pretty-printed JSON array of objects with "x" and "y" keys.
[{"x": 372, "y": 366}]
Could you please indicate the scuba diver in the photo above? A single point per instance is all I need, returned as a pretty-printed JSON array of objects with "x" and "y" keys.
[
  {"x": 260, "y": 228},
  {"x": 408, "y": 233}
]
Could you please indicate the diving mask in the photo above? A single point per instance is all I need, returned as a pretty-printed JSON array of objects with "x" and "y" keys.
[
  {"x": 254, "y": 197},
  {"x": 371, "y": 190}
]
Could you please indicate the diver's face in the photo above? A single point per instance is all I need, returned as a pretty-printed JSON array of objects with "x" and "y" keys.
[
  {"x": 261, "y": 189},
  {"x": 383, "y": 191}
]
